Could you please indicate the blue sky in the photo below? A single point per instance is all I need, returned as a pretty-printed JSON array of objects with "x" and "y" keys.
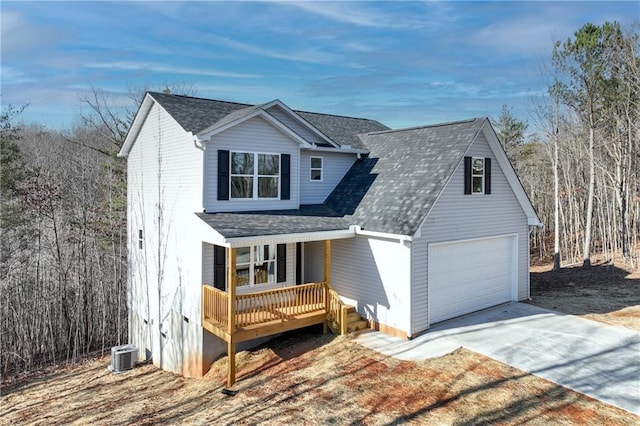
[{"x": 403, "y": 63}]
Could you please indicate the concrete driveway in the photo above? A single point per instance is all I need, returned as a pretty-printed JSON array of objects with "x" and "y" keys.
[{"x": 595, "y": 359}]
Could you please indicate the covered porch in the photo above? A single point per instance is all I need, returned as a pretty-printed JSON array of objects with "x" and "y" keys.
[{"x": 237, "y": 316}]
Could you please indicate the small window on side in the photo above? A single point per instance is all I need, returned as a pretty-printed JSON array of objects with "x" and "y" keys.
[
  {"x": 316, "y": 169},
  {"x": 477, "y": 175},
  {"x": 140, "y": 239}
]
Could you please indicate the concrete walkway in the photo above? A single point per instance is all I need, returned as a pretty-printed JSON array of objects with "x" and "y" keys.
[{"x": 592, "y": 358}]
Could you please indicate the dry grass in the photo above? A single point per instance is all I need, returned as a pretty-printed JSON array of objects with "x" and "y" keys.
[
  {"x": 606, "y": 293},
  {"x": 307, "y": 378}
]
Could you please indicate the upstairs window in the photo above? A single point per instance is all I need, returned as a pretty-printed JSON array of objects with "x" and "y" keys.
[
  {"x": 316, "y": 168},
  {"x": 254, "y": 175},
  {"x": 477, "y": 175}
]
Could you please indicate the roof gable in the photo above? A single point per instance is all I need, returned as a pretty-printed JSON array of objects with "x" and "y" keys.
[
  {"x": 394, "y": 188},
  {"x": 397, "y": 184},
  {"x": 510, "y": 174},
  {"x": 199, "y": 116}
]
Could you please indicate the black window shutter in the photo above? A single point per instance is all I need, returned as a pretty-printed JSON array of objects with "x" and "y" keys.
[
  {"x": 281, "y": 262},
  {"x": 219, "y": 267},
  {"x": 223, "y": 175},
  {"x": 285, "y": 177},
  {"x": 298, "y": 263},
  {"x": 467, "y": 175},
  {"x": 487, "y": 175}
]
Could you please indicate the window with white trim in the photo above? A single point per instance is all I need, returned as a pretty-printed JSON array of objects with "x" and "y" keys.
[
  {"x": 477, "y": 175},
  {"x": 254, "y": 175},
  {"x": 255, "y": 265},
  {"x": 316, "y": 168}
]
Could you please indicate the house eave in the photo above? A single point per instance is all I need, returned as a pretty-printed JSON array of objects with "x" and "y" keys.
[
  {"x": 136, "y": 125},
  {"x": 341, "y": 149},
  {"x": 287, "y": 238},
  {"x": 400, "y": 237}
]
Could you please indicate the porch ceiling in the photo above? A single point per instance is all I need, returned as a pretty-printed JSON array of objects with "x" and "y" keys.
[{"x": 307, "y": 219}]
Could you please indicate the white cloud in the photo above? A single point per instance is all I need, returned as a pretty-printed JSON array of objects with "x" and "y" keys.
[
  {"x": 305, "y": 55},
  {"x": 13, "y": 76},
  {"x": 23, "y": 38},
  {"x": 374, "y": 15},
  {"x": 159, "y": 68}
]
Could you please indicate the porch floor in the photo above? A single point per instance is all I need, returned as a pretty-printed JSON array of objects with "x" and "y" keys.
[{"x": 271, "y": 321}]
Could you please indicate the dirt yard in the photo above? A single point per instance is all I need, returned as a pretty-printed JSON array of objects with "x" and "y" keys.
[
  {"x": 606, "y": 293},
  {"x": 307, "y": 378}
]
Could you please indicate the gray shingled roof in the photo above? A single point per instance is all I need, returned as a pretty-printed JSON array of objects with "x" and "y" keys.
[
  {"x": 342, "y": 130},
  {"x": 195, "y": 114},
  {"x": 394, "y": 188},
  {"x": 311, "y": 218},
  {"x": 391, "y": 190},
  {"x": 198, "y": 114}
]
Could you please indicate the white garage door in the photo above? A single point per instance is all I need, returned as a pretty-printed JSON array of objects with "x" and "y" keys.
[{"x": 467, "y": 276}]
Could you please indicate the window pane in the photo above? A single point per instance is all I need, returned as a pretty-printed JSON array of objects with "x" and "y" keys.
[
  {"x": 270, "y": 252},
  {"x": 241, "y": 163},
  {"x": 264, "y": 273},
  {"x": 241, "y": 187},
  {"x": 242, "y": 255},
  {"x": 316, "y": 175},
  {"x": 242, "y": 275},
  {"x": 267, "y": 187},
  {"x": 478, "y": 166},
  {"x": 316, "y": 162},
  {"x": 477, "y": 184},
  {"x": 268, "y": 164}
]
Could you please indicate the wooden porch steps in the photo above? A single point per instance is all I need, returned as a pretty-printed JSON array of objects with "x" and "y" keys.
[{"x": 355, "y": 322}]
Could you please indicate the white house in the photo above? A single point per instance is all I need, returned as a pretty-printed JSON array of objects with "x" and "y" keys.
[{"x": 248, "y": 220}]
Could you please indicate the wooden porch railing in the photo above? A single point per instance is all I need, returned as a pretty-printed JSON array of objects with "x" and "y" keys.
[
  {"x": 264, "y": 306},
  {"x": 215, "y": 305},
  {"x": 269, "y": 305},
  {"x": 337, "y": 315}
]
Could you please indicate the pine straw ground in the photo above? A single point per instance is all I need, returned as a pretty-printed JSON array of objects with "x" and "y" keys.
[{"x": 307, "y": 378}]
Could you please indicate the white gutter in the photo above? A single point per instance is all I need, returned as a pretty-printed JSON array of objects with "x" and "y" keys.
[
  {"x": 345, "y": 150},
  {"x": 359, "y": 231},
  {"x": 288, "y": 238}
]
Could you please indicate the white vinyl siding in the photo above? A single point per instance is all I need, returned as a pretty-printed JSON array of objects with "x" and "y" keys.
[
  {"x": 207, "y": 264},
  {"x": 254, "y": 135},
  {"x": 295, "y": 125},
  {"x": 457, "y": 217},
  {"x": 374, "y": 274},
  {"x": 164, "y": 179},
  {"x": 313, "y": 261},
  {"x": 334, "y": 167}
]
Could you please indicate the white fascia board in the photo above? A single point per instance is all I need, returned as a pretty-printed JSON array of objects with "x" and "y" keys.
[
  {"x": 288, "y": 238},
  {"x": 510, "y": 174},
  {"x": 338, "y": 150},
  {"x": 534, "y": 222},
  {"x": 376, "y": 234},
  {"x": 138, "y": 120},
  {"x": 301, "y": 120}
]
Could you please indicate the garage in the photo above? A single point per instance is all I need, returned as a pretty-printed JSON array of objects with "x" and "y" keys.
[{"x": 466, "y": 276}]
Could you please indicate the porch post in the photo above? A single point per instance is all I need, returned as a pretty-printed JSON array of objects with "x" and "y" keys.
[
  {"x": 327, "y": 278},
  {"x": 327, "y": 261},
  {"x": 231, "y": 344}
]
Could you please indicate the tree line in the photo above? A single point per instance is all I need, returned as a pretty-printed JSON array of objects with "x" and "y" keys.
[
  {"x": 63, "y": 196},
  {"x": 581, "y": 166}
]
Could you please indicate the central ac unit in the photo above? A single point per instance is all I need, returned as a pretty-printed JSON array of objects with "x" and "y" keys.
[{"x": 123, "y": 357}]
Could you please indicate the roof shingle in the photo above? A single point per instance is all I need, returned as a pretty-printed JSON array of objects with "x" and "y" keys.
[
  {"x": 198, "y": 114},
  {"x": 394, "y": 188}
]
